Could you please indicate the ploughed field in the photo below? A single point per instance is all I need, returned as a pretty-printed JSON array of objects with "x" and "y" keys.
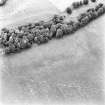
[{"x": 69, "y": 69}]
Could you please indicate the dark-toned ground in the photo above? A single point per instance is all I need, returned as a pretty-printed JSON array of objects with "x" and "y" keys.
[{"x": 69, "y": 70}]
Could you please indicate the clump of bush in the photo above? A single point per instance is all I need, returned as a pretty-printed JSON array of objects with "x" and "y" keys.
[
  {"x": 2, "y": 2},
  {"x": 15, "y": 40},
  {"x": 85, "y": 2},
  {"x": 76, "y": 5},
  {"x": 79, "y": 4},
  {"x": 59, "y": 33},
  {"x": 69, "y": 10},
  {"x": 57, "y": 19},
  {"x": 91, "y": 14},
  {"x": 93, "y": 1}
]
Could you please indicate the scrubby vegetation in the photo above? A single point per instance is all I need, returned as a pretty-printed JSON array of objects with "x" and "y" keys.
[
  {"x": 85, "y": 2},
  {"x": 76, "y": 5},
  {"x": 23, "y": 37},
  {"x": 79, "y": 4},
  {"x": 2, "y": 2},
  {"x": 93, "y": 1},
  {"x": 69, "y": 10}
]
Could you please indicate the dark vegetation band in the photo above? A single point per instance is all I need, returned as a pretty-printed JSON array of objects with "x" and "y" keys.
[{"x": 23, "y": 37}]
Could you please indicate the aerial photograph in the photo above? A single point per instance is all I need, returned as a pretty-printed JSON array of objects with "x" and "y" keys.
[{"x": 52, "y": 52}]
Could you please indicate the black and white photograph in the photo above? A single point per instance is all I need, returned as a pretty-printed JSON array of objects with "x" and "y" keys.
[{"x": 52, "y": 52}]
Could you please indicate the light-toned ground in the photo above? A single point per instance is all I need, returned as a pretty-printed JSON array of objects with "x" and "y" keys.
[
  {"x": 17, "y": 12},
  {"x": 66, "y": 70}
]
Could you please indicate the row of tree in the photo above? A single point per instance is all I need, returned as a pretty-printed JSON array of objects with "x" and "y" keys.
[
  {"x": 23, "y": 37},
  {"x": 78, "y": 4}
]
